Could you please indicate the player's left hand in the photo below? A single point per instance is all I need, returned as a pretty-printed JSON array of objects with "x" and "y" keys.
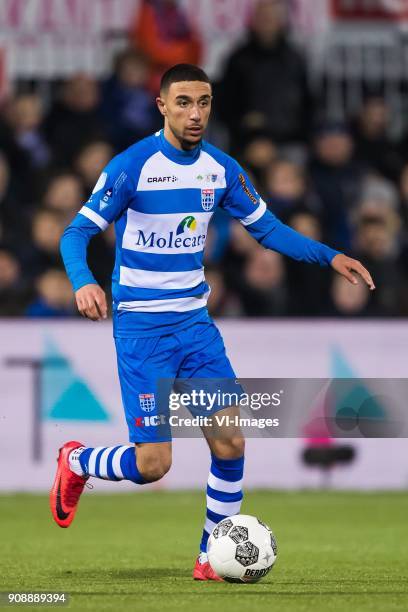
[{"x": 346, "y": 266}]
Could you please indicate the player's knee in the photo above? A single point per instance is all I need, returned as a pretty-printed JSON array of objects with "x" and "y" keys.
[
  {"x": 155, "y": 469},
  {"x": 231, "y": 448}
]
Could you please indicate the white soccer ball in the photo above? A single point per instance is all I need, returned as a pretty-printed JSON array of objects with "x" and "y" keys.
[{"x": 241, "y": 548}]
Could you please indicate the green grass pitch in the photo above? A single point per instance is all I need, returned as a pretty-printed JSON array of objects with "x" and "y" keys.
[{"x": 337, "y": 551}]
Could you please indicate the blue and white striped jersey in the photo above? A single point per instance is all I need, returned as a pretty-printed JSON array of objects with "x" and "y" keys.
[{"x": 161, "y": 200}]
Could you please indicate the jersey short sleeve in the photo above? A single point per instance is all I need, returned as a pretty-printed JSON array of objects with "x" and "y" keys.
[{"x": 110, "y": 195}]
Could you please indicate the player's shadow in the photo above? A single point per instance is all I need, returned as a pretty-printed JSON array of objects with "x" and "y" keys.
[{"x": 101, "y": 575}]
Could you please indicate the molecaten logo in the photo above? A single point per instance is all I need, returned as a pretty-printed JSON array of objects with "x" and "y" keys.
[
  {"x": 173, "y": 239},
  {"x": 187, "y": 223}
]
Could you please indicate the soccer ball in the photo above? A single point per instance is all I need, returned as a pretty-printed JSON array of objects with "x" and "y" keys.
[{"x": 241, "y": 548}]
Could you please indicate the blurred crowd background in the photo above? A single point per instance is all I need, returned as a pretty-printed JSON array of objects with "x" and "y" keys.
[{"x": 341, "y": 178}]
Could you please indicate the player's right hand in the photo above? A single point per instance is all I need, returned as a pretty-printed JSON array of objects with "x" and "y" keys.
[{"x": 91, "y": 302}]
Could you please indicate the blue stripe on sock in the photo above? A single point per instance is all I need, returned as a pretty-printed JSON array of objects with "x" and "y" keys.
[
  {"x": 129, "y": 467},
  {"x": 111, "y": 474},
  {"x": 222, "y": 496},
  {"x": 227, "y": 469},
  {"x": 84, "y": 459},
  {"x": 204, "y": 541},
  {"x": 216, "y": 518},
  {"x": 213, "y": 516},
  {"x": 97, "y": 463}
]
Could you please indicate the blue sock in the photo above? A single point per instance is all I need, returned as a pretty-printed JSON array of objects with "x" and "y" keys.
[
  {"x": 111, "y": 463},
  {"x": 224, "y": 493}
]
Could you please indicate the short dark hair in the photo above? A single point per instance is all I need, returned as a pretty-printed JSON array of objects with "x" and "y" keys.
[{"x": 182, "y": 72}]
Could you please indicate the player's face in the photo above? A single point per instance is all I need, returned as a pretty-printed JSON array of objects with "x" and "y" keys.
[{"x": 186, "y": 109}]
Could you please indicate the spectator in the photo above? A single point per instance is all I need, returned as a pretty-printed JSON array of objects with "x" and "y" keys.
[
  {"x": 264, "y": 294},
  {"x": 74, "y": 119},
  {"x": 128, "y": 108},
  {"x": 379, "y": 192},
  {"x": 337, "y": 180},
  {"x": 286, "y": 189},
  {"x": 91, "y": 160},
  {"x": 377, "y": 246},
  {"x": 43, "y": 252},
  {"x": 54, "y": 296},
  {"x": 220, "y": 302},
  {"x": 14, "y": 208},
  {"x": 22, "y": 184},
  {"x": 64, "y": 195},
  {"x": 308, "y": 286},
  {"x": 163, "y": 33},
  {"x": 373, "y": 145},
  {"x": 240, "y": 247},
  {"x": 264, "y": 86},
  {"x": 6, "y": 206},
  {"x": 403, "y": 190},
  {"x": 13, "y": 291},
  {"x": 25, "y": 116},
  {"x": 257, "y": 156},
  {"x": 349, "y": 300},
  {"x": 17, "y": 159}
]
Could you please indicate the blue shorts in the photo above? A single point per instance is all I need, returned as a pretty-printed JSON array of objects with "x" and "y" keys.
[{"x": 197, "y": 352}]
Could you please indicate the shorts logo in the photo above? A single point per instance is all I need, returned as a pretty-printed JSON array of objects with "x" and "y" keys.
[
  {"x": 150, "y": 421},
  {"x": 207, "y": 199},
  {"x": 147, "y": 402}
]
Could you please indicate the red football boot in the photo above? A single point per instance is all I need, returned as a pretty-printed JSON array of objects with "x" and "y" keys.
[
  {"x": 203, "y": 570},
  {"x": 67, "y": 487}
]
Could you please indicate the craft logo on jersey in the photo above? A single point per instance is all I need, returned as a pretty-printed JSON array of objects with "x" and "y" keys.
[
  {"x": 188, "y": 223},
  {"x": 207, "y": 199},
  {"x": 162, "y": 179},
  {"x": 104, "y": 202},
  {"x": 147, "y": 402}
]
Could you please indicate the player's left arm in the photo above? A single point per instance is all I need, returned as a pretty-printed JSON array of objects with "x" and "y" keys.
[{"x": 244, "y": 204}]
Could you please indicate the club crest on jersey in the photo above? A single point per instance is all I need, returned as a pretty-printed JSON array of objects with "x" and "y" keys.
[
  {"x": 207, "y": 199},
  {"x": 147, "y": 402}
]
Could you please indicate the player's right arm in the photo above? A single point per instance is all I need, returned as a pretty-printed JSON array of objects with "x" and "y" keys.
[{"x": 108, "y": 200}]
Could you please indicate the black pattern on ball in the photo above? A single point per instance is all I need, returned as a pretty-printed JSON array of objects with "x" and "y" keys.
[
  {"x": 263, "y": 524},
  {"x": 238, "y": 534},
  {"x": 230, "y": 579},
  {"x": 222, "y": 528},
  {"x": 274, "y": 545},
  {"x": 247, "y": 553}
]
